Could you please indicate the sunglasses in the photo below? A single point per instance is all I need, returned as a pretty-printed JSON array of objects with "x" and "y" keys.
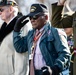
[
  {"x": 1, "y": 10},
  {"x": 35, "y": 17}
]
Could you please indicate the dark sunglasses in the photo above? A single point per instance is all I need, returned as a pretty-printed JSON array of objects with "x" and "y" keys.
[
  {"x": 36, "y": 16},
  {"x": 1, "y": 10}
]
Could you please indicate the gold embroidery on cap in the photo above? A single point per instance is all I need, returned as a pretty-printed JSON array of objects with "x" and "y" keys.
[
  {"x": 33, "y": 8},
  {"x": 12, "y": 3}
]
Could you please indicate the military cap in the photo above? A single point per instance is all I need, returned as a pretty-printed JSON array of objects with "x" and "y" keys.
[
  {"x": 37, "y": 8},
  {"x": 8, "y": 2}
]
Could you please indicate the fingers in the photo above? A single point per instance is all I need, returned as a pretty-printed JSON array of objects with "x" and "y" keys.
[
  {"x": 23, "y": 19},
  {"x": 25, "y": 22},
  {"x": 49, "y": 69},
  {"x": 46, "y": 70}
]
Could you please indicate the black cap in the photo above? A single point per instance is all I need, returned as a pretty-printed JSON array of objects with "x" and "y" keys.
[
  {"x": 37, "y": 8},
  {"x": 8, "y": 2}
]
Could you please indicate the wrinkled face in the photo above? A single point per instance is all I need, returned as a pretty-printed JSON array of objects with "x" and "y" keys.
[
  {"x": 38, "y": 21},
  {"x": 5, "y": 12}
]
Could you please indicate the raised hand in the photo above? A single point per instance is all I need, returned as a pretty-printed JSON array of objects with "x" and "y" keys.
[{"x": 20, "y": 23}]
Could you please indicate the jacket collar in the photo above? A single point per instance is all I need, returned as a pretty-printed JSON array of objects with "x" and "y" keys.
[
  {"x": 47, "y": 30},
  {"x": 6, "y": 29}
]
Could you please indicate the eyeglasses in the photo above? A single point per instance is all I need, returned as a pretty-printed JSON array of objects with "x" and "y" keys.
[
  {"x": 36, "y": 16},
  {"x": 1, "y": 10}
]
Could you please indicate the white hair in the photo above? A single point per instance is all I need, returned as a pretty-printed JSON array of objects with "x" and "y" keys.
[{"x": 15, "y": 10}]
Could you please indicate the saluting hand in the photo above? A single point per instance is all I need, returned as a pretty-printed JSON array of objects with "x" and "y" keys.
[{"x": 20, "y": 23}]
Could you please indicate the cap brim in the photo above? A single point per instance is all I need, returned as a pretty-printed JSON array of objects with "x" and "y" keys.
[
  {"x": 13, "y": 4},
  {"x": 31, "y": 14},
  {"x": 2, "y": 5}
]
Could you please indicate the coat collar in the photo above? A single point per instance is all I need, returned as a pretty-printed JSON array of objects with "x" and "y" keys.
[
  {"x": 6, "y": 29},
  {"x": 47, "y": 30}
]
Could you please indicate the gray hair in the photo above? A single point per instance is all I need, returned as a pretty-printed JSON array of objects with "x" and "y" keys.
[{"x": 15, "y": 8}]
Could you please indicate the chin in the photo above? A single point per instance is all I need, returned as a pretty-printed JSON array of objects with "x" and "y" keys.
[{"x": 34, "y": 27}]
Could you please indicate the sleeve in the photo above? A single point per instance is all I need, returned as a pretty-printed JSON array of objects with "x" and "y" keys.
[
  {"x": 57, "y": 19},
  {"x": 61, "y": 46},
  {"x": 20, "y": 43}
]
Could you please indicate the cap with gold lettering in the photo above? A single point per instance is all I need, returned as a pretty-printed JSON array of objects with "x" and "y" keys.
[
  {"x": 8, "y": 2},
  {"x": 37, "y": 8}
]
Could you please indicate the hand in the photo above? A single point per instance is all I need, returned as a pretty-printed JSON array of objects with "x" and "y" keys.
[
  {"x": 46, "y": 70},
  {"x": 61, "y": 2},
  {"x": 20, "y": 23}
]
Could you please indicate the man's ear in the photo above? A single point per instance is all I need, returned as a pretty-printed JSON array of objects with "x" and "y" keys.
[
  {"x": 46, "y": 17},
  {"x": 11, "y": 9}
]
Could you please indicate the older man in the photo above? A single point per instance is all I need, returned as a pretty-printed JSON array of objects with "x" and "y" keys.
[
  {"x": 11, "y": 62},
  {"x": 47, "y": 46}
]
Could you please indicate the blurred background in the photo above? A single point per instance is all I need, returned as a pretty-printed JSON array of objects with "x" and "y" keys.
[{"x": 24, "y": 5}]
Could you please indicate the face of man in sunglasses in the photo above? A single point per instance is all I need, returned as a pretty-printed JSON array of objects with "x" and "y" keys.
[
  {"x": 5, "y": 13},
  {"x": 38, "y": 21}
]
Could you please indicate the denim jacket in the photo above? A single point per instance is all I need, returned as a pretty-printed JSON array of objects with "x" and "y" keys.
[{"x": 53, "y": 46}]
